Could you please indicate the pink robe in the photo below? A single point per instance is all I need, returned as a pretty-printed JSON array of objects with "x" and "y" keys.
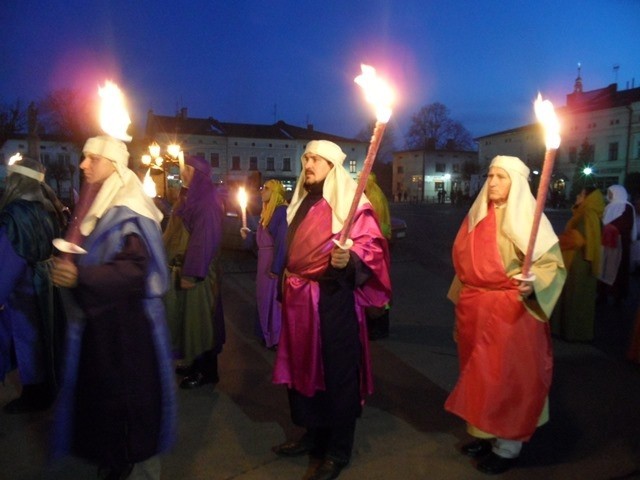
[
  {"x": 299, "y": 360},
  {"x": 269, "y": 308}
]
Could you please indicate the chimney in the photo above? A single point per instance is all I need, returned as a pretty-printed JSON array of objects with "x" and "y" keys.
[
  {"x": 310, "y": 127},
  {"x": 183, "y": 113}
]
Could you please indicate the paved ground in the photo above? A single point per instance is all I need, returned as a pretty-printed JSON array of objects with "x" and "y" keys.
[{"x": 226, "y": 432}]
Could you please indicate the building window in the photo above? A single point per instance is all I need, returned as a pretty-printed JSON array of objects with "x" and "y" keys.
[
  {"x": 400, "y": 169},
  {"x": 253, "y": 163},
  {"x": 441, "y": 167},
  {"x": 352, "y": 166},
  {"x": 613, "y": 151},
  {"x": 45, "y": 158},
  {"x": 456, "y": 168},
  {"x": 286, "y": 164},
  {"x": 271, "y": 164},
  {"x": 214, "y": 160},
  {"x": 235, "y": 162},
  {"x": 64, "y": 159}
]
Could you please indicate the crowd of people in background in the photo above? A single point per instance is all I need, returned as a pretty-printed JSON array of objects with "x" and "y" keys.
[{"x": 104, "y": 337}]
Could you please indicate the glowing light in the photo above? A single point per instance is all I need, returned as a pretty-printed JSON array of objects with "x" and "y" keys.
[
  {"x": 114, "y": 118},
  {"x": 546, "y": 115},
  {"x": 148, "y": 185},
  {"x": 587, "y": 170},
  {"x": 15, "y": 158},
  {"x": 173, "y": 150},
  {"x": 377, "y": 92},
  {"x": 243, "y": 200},
  {"x": 154, "y": 150}
]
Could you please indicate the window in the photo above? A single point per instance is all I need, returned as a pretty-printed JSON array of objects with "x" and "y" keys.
[
  {"x": 253, "y": 163},
  {"x": 400, "y": 169},
  {"x": 456, "y": 168},
  {"x": 271, "y": 164},
  {"x": 352, "y": 166},
  {"x": 45, "y": 159},
  {"x": 214, "y": 160},
  {"x": 441, "y": 167},
  {"x": 613, "y": 151},
  {"x": 63, "y": 159},
  {"x": 286, "y": 164},
  {"x": 235, "y": 162}
]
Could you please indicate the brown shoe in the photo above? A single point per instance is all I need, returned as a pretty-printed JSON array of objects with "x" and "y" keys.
[
  {"x": 329, "y": 469},
  {"x": 292, "y": 448}
]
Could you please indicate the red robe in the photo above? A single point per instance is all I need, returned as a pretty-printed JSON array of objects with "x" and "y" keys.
[{"x": 505, "y": 352}]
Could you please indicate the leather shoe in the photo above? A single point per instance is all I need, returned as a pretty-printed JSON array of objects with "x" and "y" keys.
[
  {"x": 476, "y": 448},
  {"x": 184, "y": 370},
  {"x": 292, "y": 448},
  {"x": 329, "y": 469},
  {"x": 495, "y": 464},
  {"x": 195, "y": 380}
]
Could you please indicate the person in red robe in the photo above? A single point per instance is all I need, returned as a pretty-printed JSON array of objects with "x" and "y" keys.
[
  {"x": 502, "y": 323},
  {"x": 323, "y": 356}
]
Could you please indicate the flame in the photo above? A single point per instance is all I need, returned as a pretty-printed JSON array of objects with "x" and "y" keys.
[
  {"x": 114, "y": 118},
  {"x": 547, "y": 116},
  {"x": 376, "y": 92},
  {"x": 15, "y": 158},
  {"x": 148, "y": 185},
  {"x": 242, "y": 197}
]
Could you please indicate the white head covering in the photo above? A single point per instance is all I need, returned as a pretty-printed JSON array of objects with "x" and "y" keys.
[
  {"x": 338, "y": 190},
  {"x": 26, "y": 171},
  {"x": 121, "y": 188},
  {"x": 519, "y": 209},
  {"x": 616, "y": 206}
]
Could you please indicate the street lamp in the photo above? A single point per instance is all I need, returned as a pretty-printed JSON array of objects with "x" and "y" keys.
[{"x": 156, "y": 160}]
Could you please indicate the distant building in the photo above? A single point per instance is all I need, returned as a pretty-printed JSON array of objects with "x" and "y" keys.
[
  {"x": 599, "y": 128},
  {"x": 432, "y": 175},
  {"x": 242, "y": 153},
  {"x": 60, "y": 158}
]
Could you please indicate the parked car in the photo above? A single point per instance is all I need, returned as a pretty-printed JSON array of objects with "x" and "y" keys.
[{"x": 398, "y": 229}]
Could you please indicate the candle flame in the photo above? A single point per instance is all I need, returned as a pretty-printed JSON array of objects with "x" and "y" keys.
[
  {"x": 377, "y": 92},
  {"x": 114, "y": 118},
  {"x": 242, "y": 197},
  {"x": 148, "y": 185},
  {"x": 547, "y": 116},
  {"x": 15, "y": 158}
]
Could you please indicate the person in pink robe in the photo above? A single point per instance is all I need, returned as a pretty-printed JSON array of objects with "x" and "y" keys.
[
  {"x": 323, "y": 356},
  {"x": 502, "y": 322}
]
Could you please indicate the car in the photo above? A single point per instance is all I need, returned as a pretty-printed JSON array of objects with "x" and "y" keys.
[{"x": 398, "y": 229}]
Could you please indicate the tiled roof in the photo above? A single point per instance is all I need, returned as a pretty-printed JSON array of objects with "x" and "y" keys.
[{"x": 210, "y": 126}]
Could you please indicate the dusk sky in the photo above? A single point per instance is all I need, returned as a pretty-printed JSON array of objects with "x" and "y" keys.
[{"x": 259, "y": 61}]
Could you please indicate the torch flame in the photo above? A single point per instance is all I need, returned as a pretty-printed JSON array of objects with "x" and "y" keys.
[
  {"x": 547, "y": 116},
  {"x": 376, "y": 92},
  {"x": 15, "y": 158},
  {"x": 242, "y": 197},
  {"x": 148, "y": 185},
  {"x": 114, "y": 118}
]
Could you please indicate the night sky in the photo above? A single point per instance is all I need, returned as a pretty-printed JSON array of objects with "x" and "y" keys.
[{"x": 259, "y": 61}]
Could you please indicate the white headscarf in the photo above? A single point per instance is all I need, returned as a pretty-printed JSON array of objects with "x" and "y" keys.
[
  {"x": 519, "y": 209},
  {"x": 338, "y": 189},
  {"x": 121, "y": 188},
  {"x": 616, "y": 206}
]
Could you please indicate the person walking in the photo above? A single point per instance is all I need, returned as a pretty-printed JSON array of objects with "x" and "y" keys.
[
  {"x": 573, "y": 318},
  {"x": 502, "y": 328},
  {"x": 271, "y": 239},
  {"x": 193, "y": 238},
  {"x": 117, "y": 405},
  {"x": 31, "y": 330},
  {"x": 323, "y": 356}
]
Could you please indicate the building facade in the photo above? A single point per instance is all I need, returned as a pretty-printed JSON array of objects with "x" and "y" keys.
[
  {"x": 433, "y": 175},
  {"x": 247, "y": 154},
  {"x": 600, "y": 129}
]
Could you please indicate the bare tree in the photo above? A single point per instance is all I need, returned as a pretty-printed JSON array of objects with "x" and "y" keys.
[
  {"x": 432, "y": 129},
  {"x": 387, "y": 144},
  {"x": 13, "y": 119},
  {"x": 69, "y": 113}
]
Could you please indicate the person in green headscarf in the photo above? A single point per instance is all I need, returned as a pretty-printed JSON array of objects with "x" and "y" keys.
[{"x": 574, "y": 314}]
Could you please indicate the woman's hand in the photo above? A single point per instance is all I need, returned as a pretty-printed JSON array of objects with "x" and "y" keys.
[{"x": 64, "y": 273}]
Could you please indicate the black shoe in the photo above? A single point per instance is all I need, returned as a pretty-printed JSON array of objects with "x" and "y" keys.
[
  {"x": 196, "y": 380},
  {"x": 329, "y": 469},
  {"x": 293, "y": 448},
  {"x": 476, "y": 448},
  {"x": 495, "y": 464},
  {"x": 184, "y": 370}
]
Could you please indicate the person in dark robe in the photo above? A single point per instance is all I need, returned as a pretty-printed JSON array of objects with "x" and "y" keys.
[
  {"x": 117, "y": 405},
  {"x": 31, "y": 331},
  {"x": 193, "y": 239},
  {"x": 323, "y": 355},
  {"x": 619, "y": 228}
]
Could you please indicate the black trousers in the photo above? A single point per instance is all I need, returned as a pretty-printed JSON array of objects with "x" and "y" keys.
[{"x": 334, "y": 442}]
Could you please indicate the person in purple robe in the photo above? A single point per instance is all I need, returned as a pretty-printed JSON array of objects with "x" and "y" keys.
[
  {"x": 271, "y": 240},
  {"x": 117, "y": 406},
  {"x": 193, "y": 238},
  {"x": 323, "y": 356},
  {"x": 30, "y": 331}
]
